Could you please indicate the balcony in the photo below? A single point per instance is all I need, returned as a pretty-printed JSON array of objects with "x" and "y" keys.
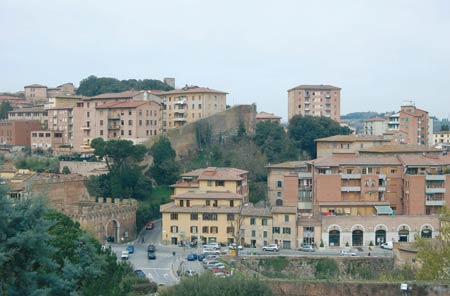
[
  {"x": 304, "y": 205},
  {"x": 180, "y": 102},
  {"x": 114, "y": 127},
  {"x": 382, "y": 189},
  {"x": 305, "y": 175},
  {"x": 436, "y": 203},
  {"x": 180, "y": 111},
  {"x": 85, "y": 128},
  {"x": 305, "y": 187},
  {"x": 434, "y": 190},
  {"x": 351, "y": 176},
  {"x": 435, "y": 177},
  {"x": 114, "y": 117},
  {"x": 351, "y": 188},
  {"x": 327, "y": 96},
  {"x": 382, "y": 176},
  {"x": 180, "y": 119}
]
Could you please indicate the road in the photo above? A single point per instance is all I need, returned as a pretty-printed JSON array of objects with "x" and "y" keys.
[{"x": 171, "y": 260}]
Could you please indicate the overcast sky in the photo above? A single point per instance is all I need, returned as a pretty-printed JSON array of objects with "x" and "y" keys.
[{"x": 379, "y": 52}]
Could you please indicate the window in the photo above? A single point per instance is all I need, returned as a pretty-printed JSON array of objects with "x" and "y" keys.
[
  {"x": 101, "y": 132},
  {"x": 279, "y": 184},
  {"x": 265, "y": 234},
  {"x": 194, "y": 216},
  {"x": 121, "y": 122},
  {"x": 231, "y": 203},
  {"x": 208, "y": 203},
  {"x": 253, "y": 233},
  {"x": 87, "y": 114},
  {"x": 140, "y": 122},
  {"x": 276, "y": 229},
  {"x": 174, "y": 216},
  {"x": 205, "y": 229},
  {"x": 214, "y": 229},
  {"x": 220, "y": 183},
  {"x": 215, "y": 203},
  {"x": 129, "y": 112},
  {"x": 129, "y": 133},
  {"x": 209, "y": 183},
  {"x": 286, "y": 230},
  {"x": 194, "y": 229},
  {"x": 278, "y": 194},
  {"x": 279, "y": 202},
  {"x": 286, "y": 218},
  {"x": 252, "y": 221},
  {"x": 230, "y": 229},
  {"x": 181, "y": 203},
  {"x": 230, "y": 217},
  {"x": 122, "y": 132},
  {"x": 130, "y": 122},
  {"x": 264, "y": 221},
  {"x": 101, "y": 122},
  {"x": 209, "y": 217},
  {"x": 174, "y": 229},
  {"x": 199, "y": 106}
]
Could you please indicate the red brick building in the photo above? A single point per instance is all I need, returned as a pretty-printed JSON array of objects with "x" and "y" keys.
[{"x": 17, "y": 133}]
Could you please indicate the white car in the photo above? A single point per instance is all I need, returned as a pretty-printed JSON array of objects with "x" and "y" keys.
[
  {"x": 348, "y": 252},
  {"x": 211, "y": 252},
  {"x": 387, "y": 245},
  {"x": 233, "y": 247},
  {"x": 124, "y": 255},
  {"x": 271, "y": 247}
]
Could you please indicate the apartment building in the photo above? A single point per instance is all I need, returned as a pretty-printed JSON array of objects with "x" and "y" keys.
[
  {"x": 442, "y": 137},
  {"x": 39, "y": 94},
  {"x": 29, "y": 114},
  {"x": 411, "y": 125},
  {"x": 358, "y": 199},
  {"x": 17, "y": 133},
  {"x": 206, "y": 206},
  {"x": 190, "y": 103},
  {"x": 63, "y": 101},
  {"x": 264, "y": 116},
  {"x": 348, "y": 144},
  {"x": 114, "y": 118},
  {"x": 375, "y": 126},
  {"x": 315, "y": 100}
]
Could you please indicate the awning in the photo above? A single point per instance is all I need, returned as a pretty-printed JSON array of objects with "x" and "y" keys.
[{"x": 384, "y": 210}]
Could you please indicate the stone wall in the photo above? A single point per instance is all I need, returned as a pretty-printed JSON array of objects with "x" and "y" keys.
[
  {"x": 84, "y": 168},
  {"x": 225, "y": 123},
  {"x": 309, "y": 288}
]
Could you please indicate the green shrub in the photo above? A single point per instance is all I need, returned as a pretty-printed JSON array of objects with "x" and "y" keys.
[
  {"x": 65, "y": 170},
  {"x": 326, "y": 268},
  {"x": 277, "y": 264}
]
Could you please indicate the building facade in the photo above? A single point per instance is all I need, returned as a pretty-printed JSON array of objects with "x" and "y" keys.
[
  {"x": 263, "y": 116},
  {"x": 17, "y": 133},
  {"x": 375, "y": 126},
  {"x": 188, "y": 104},
  {"x": 348, "y": 144},
  {"x": 29, "y": 113},
  {"x": 442, "y": 137},
  {"x": 315, "y": 100}
]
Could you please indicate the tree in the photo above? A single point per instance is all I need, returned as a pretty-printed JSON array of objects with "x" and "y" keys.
[
  {"x": 66, "y": 170},
  {"x": 434, "y": 254},
  {"x": 93, "y": 85},
  {"x": 164, "y": 170},
  {"x": 122, "y": 158},
  {"x": 5, "y": 107},
  {"x": 271, "y": 138},
  {"x": 445, "y": 127},
  {"x": 209, "y": 285},
  {"x": 303, "y": 131},
  {"x": 236, "y": 225}
]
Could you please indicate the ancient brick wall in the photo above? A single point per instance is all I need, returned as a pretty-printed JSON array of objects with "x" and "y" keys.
[{"x": 87, "y": 168}]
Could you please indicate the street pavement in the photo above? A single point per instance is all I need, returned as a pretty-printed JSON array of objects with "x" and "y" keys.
[{"x": 171, "y": 261}]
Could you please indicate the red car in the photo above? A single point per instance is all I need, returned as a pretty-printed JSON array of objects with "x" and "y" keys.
[{"x": 149, "y": 225}]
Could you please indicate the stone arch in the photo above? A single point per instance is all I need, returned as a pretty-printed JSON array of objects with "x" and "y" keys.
[
  {"x": 334, "y": 227},
  {"x": 404, "y": 232},
  {"x": 402, "y": 226},
  {"x": 116, "y": 229},
  {"x": 357, "y": 227},
  {"x": 426, "y": 231},
  {"x": 429, "y": 226},
  {"x": 380, "y": 231},
  {"x": 380, "y": 227},
  {"x": 334, "y": 235}
]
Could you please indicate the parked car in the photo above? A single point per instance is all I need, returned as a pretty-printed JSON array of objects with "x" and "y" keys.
[
  {"x": 124, "y": 255},
  {"x": 200, "y": 257},
  {"x": 192, "y": 257},
  {"x": 190, "y": 272},
  {"x": 151, "y": 255},
  {"x": 151, "y": 248},
  {"x": 210, "y": 263},
  {"x": 130, "y": 249},
  {"x": 307, "y": 248},
  {"x": 233, "y": 247},
  {"x": 348, "y": 252},
  {"x": 215, "y": 246},
  {"x": 211, "y": 252},
  {"x": 387, "y": 245},
  {"x": 149, "y": 225},
  {"x": 271, "y": 247},
  {"x": 218, "y": 265},
  {"x": 139, "y": 273}
]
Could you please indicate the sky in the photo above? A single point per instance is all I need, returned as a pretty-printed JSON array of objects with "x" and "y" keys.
[{"x": 379, "y": 52}]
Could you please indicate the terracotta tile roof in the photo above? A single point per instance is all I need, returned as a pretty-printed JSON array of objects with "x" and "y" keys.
[
  {"x": 334, "y": 161},
  {"x": 172, "y": 208},
  {"x": 353, "y": 203},
  {"x": 69, "y": 97},
  {"x": 399, "y": 148},
  {"x": 208, "y": 195},
  {"x": 122, "y": 105},
  {"x": 421, "y": 160},
  {"x": 121, "y": 95},
  {"x": 284, "y": 210},
  {"x": 353, "y": 138},
  {"x": 264, "y": 115},
  {"x": 250, "y": 210},
  {"x": 213, "y": 173},
  {"x": 315, "y": 87},
  {"x": 184, "y": 184},
  {"x": 6, "y": 98},
  {"x": 290, "y": 164},
  {"x": 29, "y": 109},
  {"x": 35, "y": 86},
  {"x": 193, "y": 90}
]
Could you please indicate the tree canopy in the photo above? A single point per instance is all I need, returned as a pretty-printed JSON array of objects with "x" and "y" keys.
[
  {"x": 271, "y": 138},
  {"x": 303, "y": 130},
  {"x": 164, "y": 170},
  {"x": 125, "y": 177},
  {"x": 5, "y": 107},
  {"x": 93, "y": 85}
]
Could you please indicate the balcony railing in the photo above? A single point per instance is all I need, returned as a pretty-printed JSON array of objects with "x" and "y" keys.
[
  {"x": 351, "y": 176},
  {"x": 114, "y": 127},
  {"x": 180, "y": 119},
  {"x": 86, "y": 128},
  {"x": 180, "y": 111},
  {"x": 435, "y": 177},
  {"x": 434, "y": 190},
  {"x": 435, "y": 202},
  {"x": 304, "y": 175},
  {"x": 351, "y": 188}
]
